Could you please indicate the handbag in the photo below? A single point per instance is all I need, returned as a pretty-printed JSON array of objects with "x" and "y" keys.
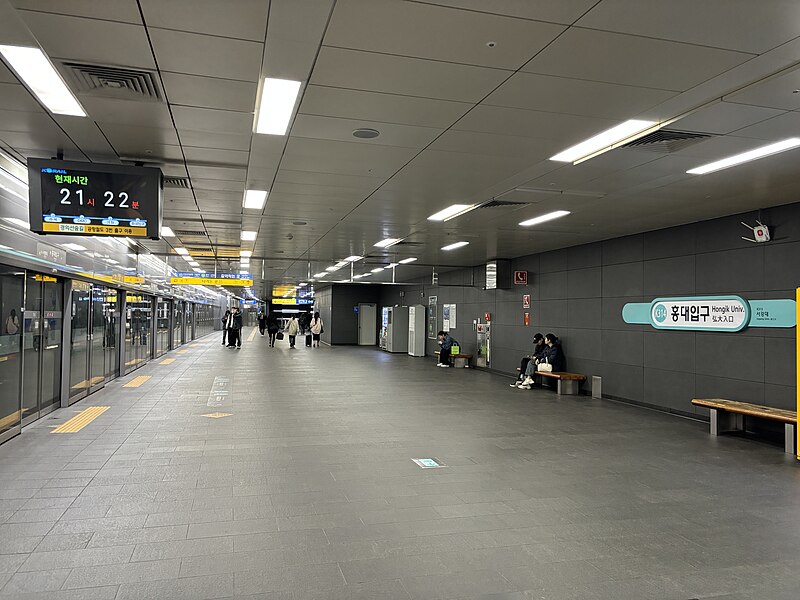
[
  {"x": 279, "y": 335},
  {"x": 455, "y": 349},
  {"x": 544, "y": 367}
]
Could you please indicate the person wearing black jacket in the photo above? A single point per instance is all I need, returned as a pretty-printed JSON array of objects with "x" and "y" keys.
[
  {"x": 538, "y": 348},
  {"x": 272, "y": 328},
  {"x": 552, "y": 354},
  {"x": 262, "y": 322},
  {"x": 235, "y": 328},
  {"x": 224, "y": 320}
]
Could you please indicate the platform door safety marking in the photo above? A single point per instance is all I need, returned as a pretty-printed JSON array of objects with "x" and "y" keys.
[
  {"x": 220, "y": 392},
  {"x": 137, "y": 381},
  {"x": 81, "y": 420}
]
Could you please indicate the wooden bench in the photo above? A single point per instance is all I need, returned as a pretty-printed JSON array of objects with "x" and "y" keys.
[
  {"x": 728, "y": 415},
  {"x": 461, "y": 360},
  {"x": 569, "y": 384}
]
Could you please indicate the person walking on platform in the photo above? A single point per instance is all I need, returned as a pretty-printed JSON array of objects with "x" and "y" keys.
[
  {"x": 262, "y": 322},
  {"x": 224, "y": 320},
  {"x": 272, "y": 328},
  {"x": 316, "y": 329},
  {"x": 292, "y": 329}
]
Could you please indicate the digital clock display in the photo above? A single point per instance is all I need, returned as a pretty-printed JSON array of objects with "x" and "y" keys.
[{"x": 72, "y": 198}]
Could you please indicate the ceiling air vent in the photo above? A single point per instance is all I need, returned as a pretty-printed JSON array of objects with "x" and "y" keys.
[
  {"x": 667, "y": 141},
  {"x": 503, "y": 204},
  {"x": 176, "y": 182},
  {"x": 115, "y": 82},
  {"x": 188, "y": 233}
]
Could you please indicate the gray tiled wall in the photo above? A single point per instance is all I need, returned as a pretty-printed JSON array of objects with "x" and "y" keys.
[{"x": 578, "y": 293}]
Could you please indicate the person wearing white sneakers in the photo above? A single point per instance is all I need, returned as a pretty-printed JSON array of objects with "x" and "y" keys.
[
  {"x": 552, "y": 355},
  {"x": 446, "y": 342},
  {"x": 538, "y": 348}
]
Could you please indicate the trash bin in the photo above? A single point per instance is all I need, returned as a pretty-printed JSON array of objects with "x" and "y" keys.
[{"x": 597, "y": 386}]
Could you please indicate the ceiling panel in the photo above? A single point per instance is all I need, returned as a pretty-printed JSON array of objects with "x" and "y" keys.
[
  {"x": 215, "y": 156},
  {"x": 212, "y": 121},
  {"x": 136, "y": 140},
  {"x": 197, "y": 54},
  {"x": 412, "y": 29},
  {"x": 224, "y": 141},
  {"x": 724, "y": 117},
  {"x": 380, "y": 107},
  {"x": 199, "y": 183},
  {"x": 126, "y": 11},
  {"x": 349, "y": 158},
  {"x": 325, "y": 181},
  {"x": 294, "y": 35},
  {"x": 16, "y": 97},
  {"x": 781, "y": 127},
  {"x": 124, "y": 112},
  {"x": 331, "y": 128},
  {"x": 112, "y": 43},
  {"x": 718, "y": 23},
  {"x": 338, "y": 67},
  {"x": 575, "y": 96},
  {"x": 531, "y": 123},
  {"x": 210, "y": 92},
  {"x": 556, "y": 11},
  {"x": 471, "y": 142},
  {"x": 242, "y": 19},
  {"x": 775, "y": 92},
  {"x": 224, "y": 173},
  {"x": 632, "y": 60}
]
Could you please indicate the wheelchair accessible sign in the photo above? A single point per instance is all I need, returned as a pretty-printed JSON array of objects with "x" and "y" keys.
[{"x": 711, "y": 313}]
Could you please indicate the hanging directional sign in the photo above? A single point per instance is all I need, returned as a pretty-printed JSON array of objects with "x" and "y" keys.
[{"x": 223, "y": 279}]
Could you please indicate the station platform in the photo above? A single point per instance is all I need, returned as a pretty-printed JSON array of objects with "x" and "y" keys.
[{"x": 287, "y": 475}]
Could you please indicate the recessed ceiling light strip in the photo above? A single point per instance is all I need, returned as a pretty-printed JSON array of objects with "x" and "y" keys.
[{"x": 744, "y": 157}]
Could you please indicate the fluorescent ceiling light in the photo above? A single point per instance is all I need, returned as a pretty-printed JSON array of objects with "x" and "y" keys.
[
  {"x": 194, "y": 263},
  {"x": 278, "y": 97},
  {"x": 249, "y": 236},
  {"x": 405, "y": 261},
  {"x": 196, "y": 270},
  {"x": 454, "y": 246},
  {"x": 320, "y": 275},
  {"x": 245, "y": 253},
  {"x": 390, "y": 266},
  {"x": 388, "y": 242},
  {"x": 255, "y": 199},
  {"x": 353, "y": 258},
  {"x": 243, "y": 272},
  {"x": 547, "y": 217},
  {"x": 607, "y": 140},
  {"x": 357, "y": 276},
  {"x": 35, "y": 69},
  {"x": 378, "y": 270},
  {"x": 332, "y": 269},
  {"x": 366, "y": 274},
  {"x": 451, "y": 212},
  {"x": 75, "y": 247},
  {"x": 302, "y": 285},
  {"x": 167, "y": 232},
  {"x": 744, "y": 157},
  {"x": 182, "y": 251},
  {"x": 341, "y": 264},
  {"x": 244, "y": 262}
]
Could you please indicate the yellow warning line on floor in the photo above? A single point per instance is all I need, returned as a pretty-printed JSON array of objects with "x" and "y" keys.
[
  {"x": 217, "y": 415},
  {"x": 81, "y": 420},
  {"x": 252, "y": 335},
  {"x": 181, "y": 351},
  {"x": 137, "y": 381},
  {"x": 167, "y": 361}
]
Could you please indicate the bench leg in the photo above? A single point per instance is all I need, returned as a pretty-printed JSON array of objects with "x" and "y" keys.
[
  {"x": 790, "y": 438},
  {"x": 568, "y": 388},
  {"x": 725, "y": 421}
]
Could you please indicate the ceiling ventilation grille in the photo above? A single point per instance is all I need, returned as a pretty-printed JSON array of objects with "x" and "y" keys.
[
  {"x": 408, "y": 243},
  {"x": 667, "y": 141},
  {"x": 115, "y": 82},
  {"x": 188, "y": 233},
  {"x": 176, "y": 182},
  {"x": 503, "y": 204}
]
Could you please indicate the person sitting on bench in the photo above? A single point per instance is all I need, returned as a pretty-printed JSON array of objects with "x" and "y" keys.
[
  {"x": 447, "y": 342},
  {"x": 552, "y": 355},
  {"x": 538, "y": 348}
]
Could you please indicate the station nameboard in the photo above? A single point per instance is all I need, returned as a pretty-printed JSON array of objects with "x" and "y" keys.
[
  {"x": 88, "y": 199},
  {"x": 223, "y": 279}
]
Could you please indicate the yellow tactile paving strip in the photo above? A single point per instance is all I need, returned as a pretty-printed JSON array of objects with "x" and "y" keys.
[
  {"x": 137, "y": 381},
  {"x": 87, "y": 383},
  {"x": 216, "y": 415},
  {"x": 167, "y": 361},
  {"x": 252, "y": 335},
  {"x": 81, "y": 420},
  {"x": 181, "y": 351}
]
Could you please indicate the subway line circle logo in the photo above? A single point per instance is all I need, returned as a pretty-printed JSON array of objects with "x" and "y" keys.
[{"x": 660, "y": 313}]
